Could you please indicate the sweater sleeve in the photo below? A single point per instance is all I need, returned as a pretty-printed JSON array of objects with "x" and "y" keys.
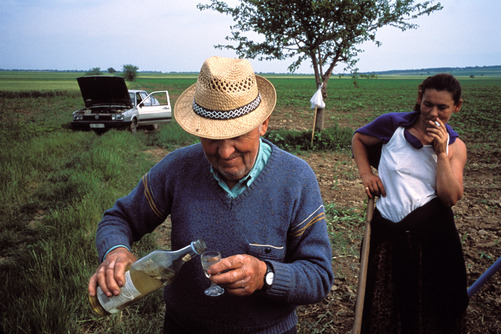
[
  {"x": 306, "y": 276},
  {"x": 138, "y": 213}
]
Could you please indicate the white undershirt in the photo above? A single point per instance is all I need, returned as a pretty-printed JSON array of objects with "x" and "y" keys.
[{"x": 408, "y": 175}]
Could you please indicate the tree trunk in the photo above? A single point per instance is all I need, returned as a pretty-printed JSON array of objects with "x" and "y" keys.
[{"x": 319, "y": 121}]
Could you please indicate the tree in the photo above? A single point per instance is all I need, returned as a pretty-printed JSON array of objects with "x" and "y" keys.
[
  {"x": 94, "y": 71},
  {"x": 111, "y": 70},
  {"x": 129, "y": 72},
  {"x": 327, "y": 32}
]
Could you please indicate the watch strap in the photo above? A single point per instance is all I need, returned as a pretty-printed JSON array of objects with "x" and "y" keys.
[{"x": 269, "y": 270}]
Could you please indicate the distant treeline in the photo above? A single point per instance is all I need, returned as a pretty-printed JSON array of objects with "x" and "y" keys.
[
  {"x": 459, "y": 71},
  {"x": 66, "y": 71}
]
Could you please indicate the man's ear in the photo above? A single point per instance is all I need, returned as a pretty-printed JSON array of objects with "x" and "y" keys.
[{"x": 264, "y": 127}]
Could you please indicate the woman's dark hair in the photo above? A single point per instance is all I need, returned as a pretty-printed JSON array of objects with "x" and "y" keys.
[{"x": 441, "y": 82}]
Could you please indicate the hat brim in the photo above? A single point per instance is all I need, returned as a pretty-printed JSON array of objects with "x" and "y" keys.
[{"x": 224, "y": 129}]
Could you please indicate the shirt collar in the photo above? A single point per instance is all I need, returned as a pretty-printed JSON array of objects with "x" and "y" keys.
[{"x": 263, "y": 154}]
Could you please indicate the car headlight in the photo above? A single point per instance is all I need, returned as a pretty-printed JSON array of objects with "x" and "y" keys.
[
  {"x": 77, "y": 117},
  {"x": 119, "y": 117}
]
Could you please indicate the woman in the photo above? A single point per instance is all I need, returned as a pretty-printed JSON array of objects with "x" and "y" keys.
[{"x": 416, "y": 279}]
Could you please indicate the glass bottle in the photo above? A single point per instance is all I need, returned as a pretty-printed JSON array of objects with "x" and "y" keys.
[{"x": 144, "y": 276}]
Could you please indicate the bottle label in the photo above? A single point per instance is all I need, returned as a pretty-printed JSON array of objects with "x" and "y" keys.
[{"x": 114, "y": 304}]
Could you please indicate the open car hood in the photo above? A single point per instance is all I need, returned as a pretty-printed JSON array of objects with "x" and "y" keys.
[{"x": 104, "y": 90}]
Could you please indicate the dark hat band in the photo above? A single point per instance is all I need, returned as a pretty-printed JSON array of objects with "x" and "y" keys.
[{"x": 227, "y": 114}]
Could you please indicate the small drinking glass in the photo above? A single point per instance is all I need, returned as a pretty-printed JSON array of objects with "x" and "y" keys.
[{"x": 208, "y": 259}]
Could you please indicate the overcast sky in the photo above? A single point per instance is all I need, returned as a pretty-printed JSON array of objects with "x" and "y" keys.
[{"x": 173, "y": 35}]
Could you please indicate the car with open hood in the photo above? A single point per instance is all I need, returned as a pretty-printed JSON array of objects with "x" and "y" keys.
[{"x": 109, "y": 104}]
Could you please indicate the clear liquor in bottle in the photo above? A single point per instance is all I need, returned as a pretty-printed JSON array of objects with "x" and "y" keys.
[{"x": 144, "y": 276}]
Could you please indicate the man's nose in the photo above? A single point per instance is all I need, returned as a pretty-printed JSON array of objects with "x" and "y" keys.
[{"x": 226, "y": 149}]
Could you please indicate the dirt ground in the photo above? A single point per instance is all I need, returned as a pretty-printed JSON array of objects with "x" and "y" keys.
[{"x": 477, "y": 218}]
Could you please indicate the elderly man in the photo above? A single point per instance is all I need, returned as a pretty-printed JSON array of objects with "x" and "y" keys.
[{"x": 256, "y": 204}]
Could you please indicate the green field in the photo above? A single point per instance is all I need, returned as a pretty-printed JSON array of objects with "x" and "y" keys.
[{"x": 56, "y": 183}]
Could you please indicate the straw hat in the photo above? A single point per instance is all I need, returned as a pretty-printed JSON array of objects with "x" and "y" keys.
[{"x": 228, "y": 100}]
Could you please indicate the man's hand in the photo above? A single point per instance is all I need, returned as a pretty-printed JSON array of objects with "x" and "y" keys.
[
  {"x": 240, "y": 275},
  {"x": 110, "y": 274}
]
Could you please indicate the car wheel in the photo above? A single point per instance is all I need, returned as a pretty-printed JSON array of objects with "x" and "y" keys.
[{"x": 133, "y": 126}]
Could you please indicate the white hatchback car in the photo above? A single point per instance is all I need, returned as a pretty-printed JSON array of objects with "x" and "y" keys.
[{"x": 108, "y": 104}]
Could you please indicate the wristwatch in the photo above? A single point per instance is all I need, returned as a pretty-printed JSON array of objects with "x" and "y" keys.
[{"x": 268, "y": 277}]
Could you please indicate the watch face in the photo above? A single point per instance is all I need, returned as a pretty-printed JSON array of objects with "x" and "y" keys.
[{"x": 269, "y": 278}]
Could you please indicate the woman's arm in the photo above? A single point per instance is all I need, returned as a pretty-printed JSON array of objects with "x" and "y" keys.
[
  {"x": 360, "y": 145},
  {"x": 450, "y": 173},
  {"x": 450, "y": 165}
]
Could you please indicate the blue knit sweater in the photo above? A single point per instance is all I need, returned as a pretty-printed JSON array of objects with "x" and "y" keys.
[{"x": 279, "y": 218}]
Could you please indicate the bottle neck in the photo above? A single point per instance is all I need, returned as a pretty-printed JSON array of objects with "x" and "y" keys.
[
  {"x": 169, "y": 259},
  {"x": 185, "y": 253}
]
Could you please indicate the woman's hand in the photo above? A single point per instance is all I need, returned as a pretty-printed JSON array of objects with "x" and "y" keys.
[
  {"x": 360, "y": 145},
  {"x": 436, "y": 129},
  {"x": 373, "y": 185}
]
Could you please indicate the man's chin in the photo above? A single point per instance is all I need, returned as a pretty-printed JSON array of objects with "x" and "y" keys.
[{"x": 231, "y": 176}]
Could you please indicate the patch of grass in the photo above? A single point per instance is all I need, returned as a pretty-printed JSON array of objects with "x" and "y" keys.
[
  {"x": 344, "y": 230},
  {"x": 334, "y": 138},
  {"x": 55, "y": 189},
  {"x": 169, "y": 135}
]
